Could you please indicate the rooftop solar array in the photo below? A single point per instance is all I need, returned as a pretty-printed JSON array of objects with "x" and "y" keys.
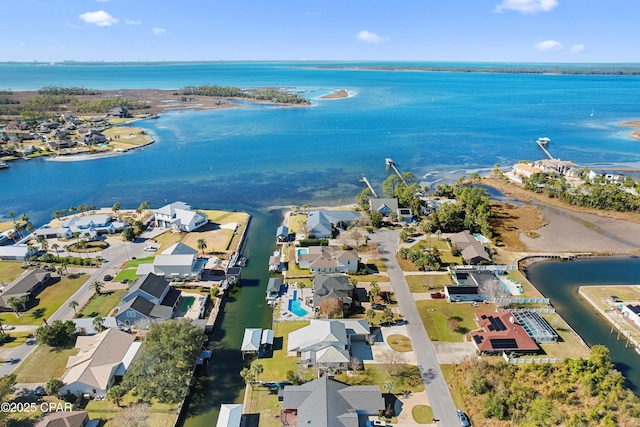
[
  {"x": 495, "y": 323},
  {"x": 537, "y": 328},
  {"x": 634, "y": 308},
  {"x": 503, "y": 343}
]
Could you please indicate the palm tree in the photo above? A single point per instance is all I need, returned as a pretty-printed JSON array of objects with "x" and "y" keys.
[
  {"x": 98, "y": 324},
  {"x": 115, "y": 208},
  {"x": 14, "y": 303},
  {"x": 73, "y": 210},
  {"x": 202, "y": 245},
  {"x": 370, "y": 313},
  {"x": 74, "y": 304},
  {"x": 55, "y": 214},
  {"x": 22, "y": 301},
  {"x": 25, "y": 218},
  {"x": 12, "y": 214},
  {"x": 98, "y": 286},
  {"x": 55, "y": 247}
]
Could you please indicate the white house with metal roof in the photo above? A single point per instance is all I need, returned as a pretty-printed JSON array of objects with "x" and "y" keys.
[
  {"x": 230, "y": 415},
  {"x": 178, "y": 261},
  {"x": 179, "y": 216}
]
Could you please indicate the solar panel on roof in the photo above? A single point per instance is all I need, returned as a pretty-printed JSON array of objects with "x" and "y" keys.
[
  {"x": 634, "y": 308},
  {"x": 491, "y": 328},
  {"x": 499, "y": 325},
  {"x": 478, "y": 339},
  {"x": 503, "y": 343}
]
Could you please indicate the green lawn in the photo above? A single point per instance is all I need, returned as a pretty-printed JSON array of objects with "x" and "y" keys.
[
  {"x": 136, "y": 262},
  {"x": 10, "y": 270},
  {"x": 456, "y": 394},
  {"x": 377, "y": 375},
  {"x": 102, "y": 305},
  {"x": 46, "y": 303},
  {"x": 442, "y": 318},
  {"x": 276, "y": 367},
  {"x": 160, "y": 414},
  {"x": 399, "y": 343},
  {"x": 16, "y": 339},
  {"x": 422, "y": 414},
  {"x": 428, "y": 283},
  {"x": 296, "y": 223},
  {"x": 261, "y": 401},
  {"x": 369, "y": 278},
  {"x": 43, "y": 364},
  {"x": 128, "y": 274}
]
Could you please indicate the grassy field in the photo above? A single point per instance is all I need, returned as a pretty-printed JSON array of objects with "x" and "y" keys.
[
  {"x": 377, "y": 375},
  {"x": 43, "y": 364},
  {"x": 569, "y": 344},
  {"x": 428, "y": 282},
  {"x": 296, "y": 223},
  {"x": 160, "y": 415},
  {"x": 128, "y": 274},
  {"x": 126, "y": 137},
  {"x": 601, "y": 295},
  {"x": 276, "y": 367},
  {"x": 443, "y": 318},
  {"x": 261, "y": 401},
  {"x": 528, "y": 290},
  {"x": 16, "y": 339},
  {"x": 102, "y": 305},
  {"x": 46, "y": 303},
  {"x": 449, "y": 377},
  {"x": 422, "y": 414},
  {"x": 10, "y": 270}
]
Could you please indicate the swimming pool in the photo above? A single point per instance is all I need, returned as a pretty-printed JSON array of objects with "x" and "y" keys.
[
  {"x": 187, "y": 302},
  {"x": 294, "y": 306},
  {"x": 301, "y": 251}
]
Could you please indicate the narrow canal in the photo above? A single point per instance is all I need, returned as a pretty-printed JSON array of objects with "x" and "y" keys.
[
  {"x": 244, "y": 307},
  {"x": 560, "y": 280}
]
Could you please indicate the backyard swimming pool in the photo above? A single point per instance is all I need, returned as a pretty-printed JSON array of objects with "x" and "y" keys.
[
  {"x": 294, "y": 306},
  {"x": 187, "y": 302}
]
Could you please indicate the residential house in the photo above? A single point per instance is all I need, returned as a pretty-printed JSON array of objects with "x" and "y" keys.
[
  {"x": 608, "y": 175},
  {"x": 119, "y": 112},
  {"x": 17, "y": 252},
  {"x": 60, "y": 144},
  {"x": 230, "y": 415},
  {"x": 149, "y": 300},
  {"x": 179, "y": 216},
  {"x": 325, "y": 402},
  {"x": 48, "y": 126},
  {"x": 256, "y": 340},
  {"x": 329, "y": 259},
  {"x": 100, "y": 223},
  {"x": 282, "y": 233},
  {"x": 28, "y": 284},
  {"x": 471, "y": 249},
  {"x": 100, "y": 359},
  {"x": 334, "y": 286},
  {"x": 64, "y": 419},
  {"x": 320, "y": 224},
  {"x": 501, "y": 332},
  {"x": 53, "y": 233},
  {"x": 275, "y": 263},
  {"x": 93, "y": 138},
  {"x": 273, "y": 288},
  {"x": 632, "y": 312},
  {"x": 464, "y": 293},
  {"x": 384, "y": 207},
  {"x": 178, "y": 261},
  {"x": 326, "y": 343}
]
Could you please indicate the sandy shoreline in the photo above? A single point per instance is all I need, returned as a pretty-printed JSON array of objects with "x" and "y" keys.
[
  {"x": 338, "y": 94},
  {"x": 574, "y": 229},
  {"x": 634, "y": 124}
]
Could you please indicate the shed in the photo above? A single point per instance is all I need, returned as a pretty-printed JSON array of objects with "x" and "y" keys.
[
  {"x": 230, "y": 415},
  {"x": 251, "y": 341}
]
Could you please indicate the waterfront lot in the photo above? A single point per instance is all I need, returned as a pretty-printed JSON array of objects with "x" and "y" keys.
[
  {"x": 601, "y": 295},
  {"x": 428, "y": 282},
  {"x": 277, "y": 366},
  {"x": 46, "y": 302}
]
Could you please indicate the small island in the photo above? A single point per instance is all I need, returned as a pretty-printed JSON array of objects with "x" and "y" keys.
[
  {"x": 634, "y": 124},
  {"x": 338, "y": 94}
]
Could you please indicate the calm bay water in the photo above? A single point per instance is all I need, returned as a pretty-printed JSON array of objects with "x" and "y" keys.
[
  {"x": 560, "y": 281},
  {"x": 437, "y": 125}
]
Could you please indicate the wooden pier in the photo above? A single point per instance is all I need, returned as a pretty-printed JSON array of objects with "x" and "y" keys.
[
  {"x": 366, "y": 181},
  {"x": 392, "y": 164},
  {"x": 545, "y": 151}
]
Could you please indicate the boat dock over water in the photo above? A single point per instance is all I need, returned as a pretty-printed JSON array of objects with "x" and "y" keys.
[
  {"x": 366, "y": 181},
  {"x": 392, "y": 165},
  {"x": 543, "y": 143}
]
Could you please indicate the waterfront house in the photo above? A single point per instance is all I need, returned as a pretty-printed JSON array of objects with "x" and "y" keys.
[
  {"x": 251, "y": 341},
  {"x": 282, "y": 233},
  {"x": 463, "y": 293},
  {"x": 333, "y": 286},
  {"x": 100, "y": 223},
  {"x": 501, "y": 332},
  {"x": 326, "y": 343},
  {"x": 64, "y": 419},
  {"x": 17, "y": 252},
  {"x": 328, "y": 259},
  {"x": 28, "y": 284},
  {"x": 60, "y": 144},
  {"x": 608, "y": 175},
  {"x": 52, "y": 233},
  {"x": 178, "y": 216},
  {"x": 273, "y": 288},
  {"x": 149, "y": 300},
  {"x": 471, "y": 249},
  {"x": 119, "y": 112},
  {"x": 384, "y": 207},
  {"x": 320, "y": 223},
  {"x": 230, "y": 415},
  {"x": 178, "y": 261},
  {"x": 325, "y": 402},
  {"x": 93, "y": 138},
  {"x": 632, "y": 312},
  {"x": 100, "y": 359}
]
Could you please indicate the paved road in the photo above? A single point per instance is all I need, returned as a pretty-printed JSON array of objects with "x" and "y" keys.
[
  {"x": 116, "y": 254},
  {"x": 437, "y": 389}
]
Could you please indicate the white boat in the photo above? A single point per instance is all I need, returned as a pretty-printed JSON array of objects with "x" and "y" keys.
[
  {"x": 543, "y": 141},
  {"x": 3, "y": 165}
]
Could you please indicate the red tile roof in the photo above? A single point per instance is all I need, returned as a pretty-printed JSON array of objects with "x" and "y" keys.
[{"x": 501, "y": 332}]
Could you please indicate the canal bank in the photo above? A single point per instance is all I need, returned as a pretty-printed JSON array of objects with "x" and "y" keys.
[
  {"x": 220, "y": 382},
  {"x": 561, "y": 280}
]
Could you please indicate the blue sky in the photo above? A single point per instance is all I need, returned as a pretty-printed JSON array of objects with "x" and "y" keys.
[{"x": 391, "y": 30}]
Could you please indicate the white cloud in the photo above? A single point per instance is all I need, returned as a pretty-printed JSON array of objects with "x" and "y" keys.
[
  {"x": 548, "y": 45},
  {"x": 99, "y": 18},
  {"x": 132, "y": 22},
  {"x": 526, "y": 6},
  {"x": 369, "y": 37},
  {"x": 579, "y": 48},
  {"x": 159, "y": 31}
]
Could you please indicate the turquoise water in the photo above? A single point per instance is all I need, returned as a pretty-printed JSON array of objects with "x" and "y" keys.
[{"x": 294, "y": 306}]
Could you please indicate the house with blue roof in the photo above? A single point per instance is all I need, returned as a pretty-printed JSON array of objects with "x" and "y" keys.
[{"x": 320, "y": 223}]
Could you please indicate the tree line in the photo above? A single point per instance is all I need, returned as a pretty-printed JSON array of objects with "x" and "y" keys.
[{"x": 279, "y": 96}]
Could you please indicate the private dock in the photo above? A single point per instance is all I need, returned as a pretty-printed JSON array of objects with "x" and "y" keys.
[
  {"x": 392, "y": 165},
  {"x": 366, "y": 181},
  {"x": 543, "y": 143}
]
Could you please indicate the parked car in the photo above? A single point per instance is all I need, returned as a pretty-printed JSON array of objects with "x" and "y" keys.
[
  {"x": 150, "y": 248},
  {"x": 8, "y": 327},
  {"x": 438, "y": 295},
  {"x": 40, "y": 391},
  {"x": 376, "y": 306},
  {"x": 107, "y": 278},
  {"x": 464, "y": 419},
  {"x": 376, "y": 423}
]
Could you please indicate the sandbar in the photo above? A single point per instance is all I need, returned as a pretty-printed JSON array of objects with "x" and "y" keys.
[{"x": 338, "y": 94}]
